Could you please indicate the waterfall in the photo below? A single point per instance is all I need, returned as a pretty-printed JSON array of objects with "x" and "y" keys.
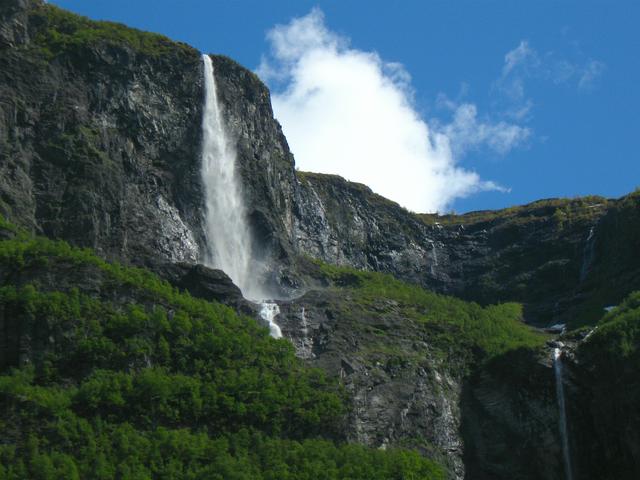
[
  {"x": 434, "y": 259},
  {"x": 228, "y": 237},
  {"x": 305, "y": 349},
  {"x": 305, "y": 329},
  {"x": 557, "y": 367},
  {"x": 226, "y": 225},
  {"x": 587, "y": 257},
  {"x": 268, "y": 312}
]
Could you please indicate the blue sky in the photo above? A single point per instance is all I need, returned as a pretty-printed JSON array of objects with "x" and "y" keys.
[{"x": 533, "y": 99}]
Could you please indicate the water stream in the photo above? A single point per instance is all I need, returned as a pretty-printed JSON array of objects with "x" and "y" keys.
[
  {"x": 305, "y": 350},
  {"x": 587, "y": 257},
  {"x": 434, "y": 259}
]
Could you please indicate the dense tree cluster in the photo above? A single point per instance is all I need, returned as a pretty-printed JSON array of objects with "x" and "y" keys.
[{"x": 118, "y": 375}]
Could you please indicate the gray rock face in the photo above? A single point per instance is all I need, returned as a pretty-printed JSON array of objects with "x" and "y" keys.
[
  {"x": 344, "y": 223},
  {"x": 14, "y": 27},
  {"x": 549, "y": 255},
  {"x": 404, "y": 398},
  {"x": 98, "y": 141},
  {"x": 498, "y": 421},
  {"x": 510, "y": 419},
  {"x": 100, "y": 144}
]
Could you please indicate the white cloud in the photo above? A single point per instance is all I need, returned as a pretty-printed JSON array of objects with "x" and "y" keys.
[
  {"x": 590, "y": 74},
  {"x": 466, "y": 131},
  {"x": 521, "y": 56},
  {"x": 349, "y": 112},
  {"x": 525, "y": 63}
]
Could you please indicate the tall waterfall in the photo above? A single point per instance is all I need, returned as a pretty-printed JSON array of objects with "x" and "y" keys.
[
  {"x": 226, "y": 226},
  {"x": 557, "y": 367},
  {"x": 229, "y": 242}
]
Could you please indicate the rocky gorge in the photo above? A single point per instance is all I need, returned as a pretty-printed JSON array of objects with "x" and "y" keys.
[{"x": 100, "y": 134}]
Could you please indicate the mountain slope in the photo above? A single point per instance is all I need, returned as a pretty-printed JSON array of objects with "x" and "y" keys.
[{"x": 108, "y": 372}]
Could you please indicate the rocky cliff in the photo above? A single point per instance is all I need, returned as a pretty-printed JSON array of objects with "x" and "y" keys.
[
  {"x": 100, "y": 135},
  {"x": 100, "y": 130},
  {"x": 402, "y": 390},
  {"x": 562, "y": 258}
]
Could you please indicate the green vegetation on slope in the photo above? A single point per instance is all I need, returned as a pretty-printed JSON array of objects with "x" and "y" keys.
[
  {"x": 107, "y": 451},
  {"x": 612, "y": 353},
  {"x": 610, "y": 400},
  {"x": 563, "y": 210},
  {"x": 618, "y": 333},
  {"x": 115, "y": 374},
  {"x": 62, "y": 31},
  {"x": 456, "y": 326},
  {"x": 7, "y": 227}
]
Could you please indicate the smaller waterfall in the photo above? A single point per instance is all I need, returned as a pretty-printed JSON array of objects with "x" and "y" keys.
[
  {"x": 305, "y": 328},
  {"x": 564, "y": 436},
  {"x": 268, "y": 313},
  {"x": 434, "y": 259},
  {"x": 587, "y": 257},
  {"x": 305, "y": 350}
]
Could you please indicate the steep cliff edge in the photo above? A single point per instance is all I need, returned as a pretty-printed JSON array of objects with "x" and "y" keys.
[
  {"x": 99, "y": 126},
  {"x": 100, "y": 134}
]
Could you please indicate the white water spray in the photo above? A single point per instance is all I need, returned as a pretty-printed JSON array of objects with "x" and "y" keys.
[
  {"x": 229, "y": 242},
  {"x": 268, "y": 312},
  {"x": 557, "y": 367}
]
